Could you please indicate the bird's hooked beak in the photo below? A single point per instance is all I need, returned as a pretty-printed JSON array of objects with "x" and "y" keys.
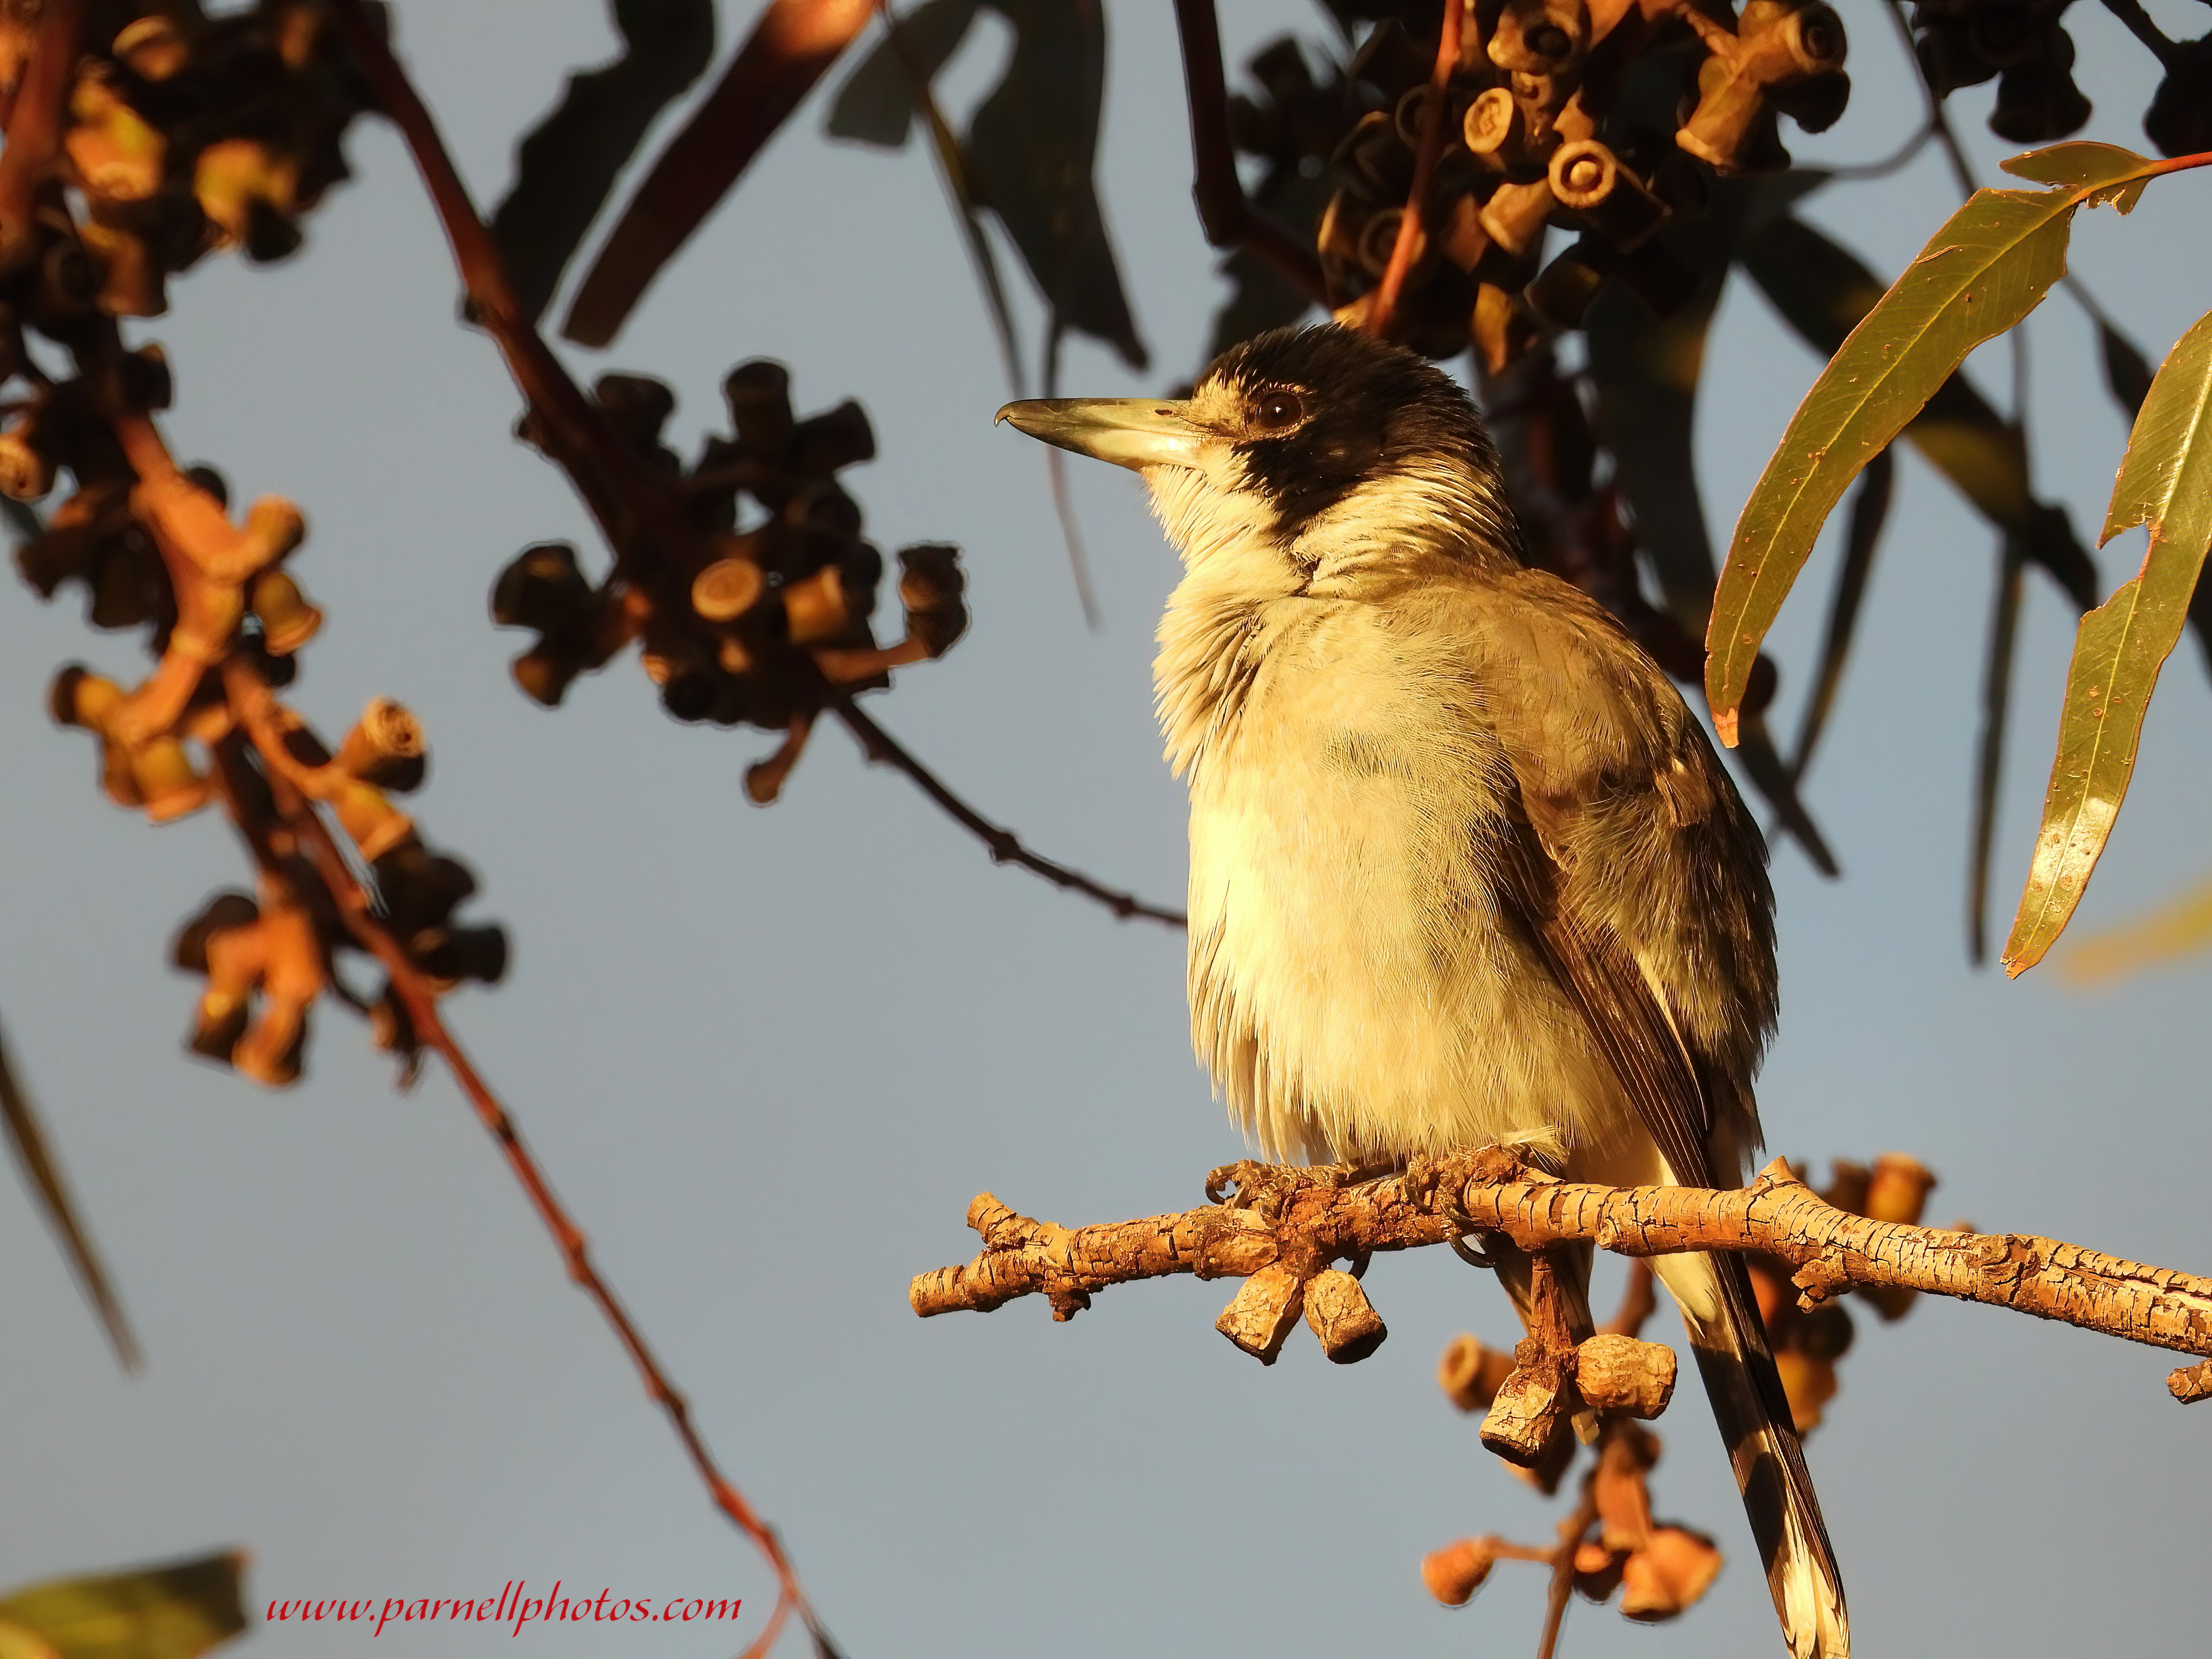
[{"x": 1132, "y": 432}]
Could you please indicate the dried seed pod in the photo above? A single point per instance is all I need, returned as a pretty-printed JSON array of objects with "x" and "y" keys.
[
  {"x": 1620, "y": 1489},
  {"x": 222, "y": 912},
  {"x": 1777, "y": 44},
  {"x": 1847, "y": 1187},
  {"x": 1588, "y": 180},
  {"x": 454, "y": 954},
  {"x": 166, "y": 781},
  {"x": 1454, "y": 1573},
  {"x": 759, "y": 396},
  {"x": 375, "y": 825},
  {"x": 1266, "y": 1307},
  {"x": 1899, "y": 1187},
  {"x": 386, "y": 747},
  {"x": 152, "y": 48},
  {"x": 27, "y": 472},
  {"x": 840, "y": 437},
  {"x": 1528, "y": 1416},
  {"x": 1515, "y": 216},
  {"x": 1598, "y": 1572},
  {"x": 931, "y": 586},
  {"x": 1339, "y": 1313},
  {"x": 815, "y": 609},
  {"x": 547, "y": 670},
  {"x": 1674, "y": 1568},
  {"x": 637, "y": 406},
  {"x": 1620, "y": 1373},
  {"x": 288, "y": 621},
  {"x": 1809, "y": 1383},
  {"x": 543, "y": 588},
  {"x": 727, "y": 589},
  {"x": 1470, "y": 1374}
]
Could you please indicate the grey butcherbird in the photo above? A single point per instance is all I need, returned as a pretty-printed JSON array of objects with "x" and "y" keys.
[{"x": 1463, "y": 867}]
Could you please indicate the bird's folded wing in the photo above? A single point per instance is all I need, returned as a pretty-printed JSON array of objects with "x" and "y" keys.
[{"x": 1626, "y": 1021}]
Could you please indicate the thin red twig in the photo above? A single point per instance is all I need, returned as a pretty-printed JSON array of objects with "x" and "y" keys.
[{"x": 1410, "y": 228}]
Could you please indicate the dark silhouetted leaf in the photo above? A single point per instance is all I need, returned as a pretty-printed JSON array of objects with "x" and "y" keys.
[
  {"x": 568, "y": 163},
  {"x": 791, "y": 48},
  {"x": 1869, "y": 512},
  {"x": 2165, "y": 482},
  {"x": 1988, "y": 267},
  {"x": 1989, "y": 758},
  {"x": 2126, "y": 370},
  {"x": 876, "y": 104},
  {"x": 1031, "y": 149},
  {"x": 173, "y": 1612},
  {"x": 27, "y": 1137},
  {"x": 916, "y": 66},
  {"x": 1756, "y": 753}
]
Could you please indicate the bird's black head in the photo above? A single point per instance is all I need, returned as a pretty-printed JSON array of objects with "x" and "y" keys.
[
  {"x": 1316, "y": 413},
  {"x": 1316, "y": 442}
]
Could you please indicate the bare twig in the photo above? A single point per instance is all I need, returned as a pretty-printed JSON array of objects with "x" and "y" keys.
[
  {"x": 625, "y": 502},
  {"x": 253, "y": 705},
  {"x": 19, "y": 1121},
  {"x": 1224, "y": 212},
  {"x": 1301, "y": 1219},
  {"x": 1572, "y": 1531},
  {"x": 1412, "y": 228},
  {"x": 1005, "y": 847}
]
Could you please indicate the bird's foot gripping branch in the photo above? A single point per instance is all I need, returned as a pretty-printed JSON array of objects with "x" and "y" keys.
[{"x": 1282, "y": 1230}]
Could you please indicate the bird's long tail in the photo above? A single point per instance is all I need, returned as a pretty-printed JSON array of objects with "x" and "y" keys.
[{"x": 1730, "y": 1339}]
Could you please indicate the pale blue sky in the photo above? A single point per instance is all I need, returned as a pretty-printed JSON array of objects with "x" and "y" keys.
[{"x": 768, "y": 1055}]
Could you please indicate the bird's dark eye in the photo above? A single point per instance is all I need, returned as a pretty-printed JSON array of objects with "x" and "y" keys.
[{"x": 1277, "y": 410}]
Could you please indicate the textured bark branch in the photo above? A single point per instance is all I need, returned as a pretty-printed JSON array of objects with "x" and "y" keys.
[{"x": 1299, "y": 1221}]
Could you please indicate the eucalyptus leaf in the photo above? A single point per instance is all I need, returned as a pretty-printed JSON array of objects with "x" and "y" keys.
[
  {"x": 791, "y": 47},
  {"x": 876, "y": 104},
  {"x": 2165, "y": 482},
  {"x": 568, "y": 163},
  {"x": 177, "y": 1611},
  {"x": 1031, "y": 152},
  {"x": 1988, "y": 267}
]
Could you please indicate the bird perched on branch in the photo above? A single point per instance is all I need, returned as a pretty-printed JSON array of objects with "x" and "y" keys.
[{"x": 1464, "y": 867}]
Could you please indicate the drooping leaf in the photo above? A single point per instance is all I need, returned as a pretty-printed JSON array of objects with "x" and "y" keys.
[
  {"x": 569, "y": 161},
  {"x": 178, "y": 1611},
  {"x": 2126, "y": 371},
  {"x": 1755, "y": 751},
  {"x": 791, "y": 48},
  {"x": 2165, "y": 482},
  {"x": 1989, "y": 758},
  {"x": 1032, "y": 151},
  {"x": 1869, "y": 513},
  {"x": 1987, "y": 268},
  {"x": 876, "y": 104},
  {"x": 1823, "y": 291},
  {"x": 2179, "y": 927},
  {"x": 26, "y": 1138}
]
